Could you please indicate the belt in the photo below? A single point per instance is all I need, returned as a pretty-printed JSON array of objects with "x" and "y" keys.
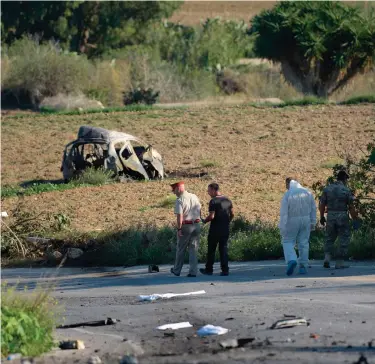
[{"x": 189, "y": 222}]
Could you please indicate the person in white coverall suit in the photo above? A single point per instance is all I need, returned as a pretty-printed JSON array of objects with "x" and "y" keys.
[{"x": 297, "y": 220}]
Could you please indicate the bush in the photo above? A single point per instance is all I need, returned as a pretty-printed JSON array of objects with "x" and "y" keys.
[
  {"x": 27, "y": 322},
  {"x": 140, "y": 96},
  {"x": 215, "y": 42},
  {"x": 93, "y": 176},
  {"x": 46, "y": 71}
]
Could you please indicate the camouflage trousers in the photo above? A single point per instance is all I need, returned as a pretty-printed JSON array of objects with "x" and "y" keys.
[{"x": 337, "y": 227}]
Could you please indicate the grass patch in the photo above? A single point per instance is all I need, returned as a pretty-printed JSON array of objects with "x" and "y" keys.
[
  {"x": 90, "y": 177},
  {"x": 248, "y": 241},
  {"x": 148, "y": 244},
  {"x": 138, "y": 107},
  {"x": 168, "y": 202},
  {"x": 311, "y": 100},
  {"x": 331, "y": 163},
  {"x": 27, "y": 321},
  {"x": 93, "y": 176},
  {"x": 359, "y": 100},
  {"x": 208, "y": 163}
]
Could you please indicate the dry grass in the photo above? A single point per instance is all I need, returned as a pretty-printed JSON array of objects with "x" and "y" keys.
[
  {"x": 253, "y": 150},
  {"x": 192, "y": 12}
]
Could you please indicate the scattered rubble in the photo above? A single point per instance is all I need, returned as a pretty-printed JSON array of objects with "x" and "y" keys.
[
  {"x": 156, "y": 296},
  {"x": 153, "y": 268},
  {"x": 236, "y": 343},
  {"x": 132, "y": 349},
  {"x": 94, "y": 360},
  {"x": 179, "y": 325},
  {"x": 108, "y": 321},
  {"x": 72, "y": 345},
  {"x": 362, "y": 360},
  {"x": 211, "y": 330},
  {"x": 14, "y": 356},
  {"x": 128, "y": 359},
  {"x": 283, "y": 324}
]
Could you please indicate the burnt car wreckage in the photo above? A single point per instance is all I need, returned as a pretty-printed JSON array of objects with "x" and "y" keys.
[{"x": 122, "y": 153}]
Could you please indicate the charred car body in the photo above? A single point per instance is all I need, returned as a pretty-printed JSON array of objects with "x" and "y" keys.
[{"x": 122, "y": 153}]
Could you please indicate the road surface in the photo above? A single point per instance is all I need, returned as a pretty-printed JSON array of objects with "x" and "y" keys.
[{"x": 338, "y": 304}]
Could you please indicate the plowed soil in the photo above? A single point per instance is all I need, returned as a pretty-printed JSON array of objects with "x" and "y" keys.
[{"x": 252, "y": 151}]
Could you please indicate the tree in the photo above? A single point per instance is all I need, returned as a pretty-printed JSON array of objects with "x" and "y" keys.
[
  {"x": 321, "y": 45},
  {"x": 361, "y": 183},
  {"x": 90, "y": 27}
]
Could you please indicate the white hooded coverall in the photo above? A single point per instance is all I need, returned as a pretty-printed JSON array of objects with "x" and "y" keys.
[{"x": 297, "y": 219}]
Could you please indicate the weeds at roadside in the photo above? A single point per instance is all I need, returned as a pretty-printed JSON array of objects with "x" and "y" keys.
[
  {"x": 90, "y": 177},
  {"x": 208, "y": 163},
  {"x": 168, "y": 202},
  {"x": 27, "y": 321},
  {"x": 359, "y": 100}
]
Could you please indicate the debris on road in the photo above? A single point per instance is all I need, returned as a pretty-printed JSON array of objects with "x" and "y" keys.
[
  {"x": 169, "y": 333},
  {"x": 132, "y": 349},
  {"x": 229, "y": 319},
  {"x": 179, "y": 325},
  {"x": 129, "y": 359},
  {"x": 362, "y": 360},
  {"x": 156, "y": 296},
  {"x": 72, "y": 345},
  {"x": 14, "y": 356},
  {"x": 236, "y": 343},
  {"x": 283, "y": 324},
  {"x": 289, "y": 316},
  {"x": 108, "y": 321},
  {"x": 153, "y": 268},
  {"x": 300, "y": 286},
  {"x": 314, "y": 336},
  {"x": 211, "y": 330},
  {"x": 94, "y": 360}
]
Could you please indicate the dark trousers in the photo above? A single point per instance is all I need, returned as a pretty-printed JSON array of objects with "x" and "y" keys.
[{"x": 214, "y": 238}]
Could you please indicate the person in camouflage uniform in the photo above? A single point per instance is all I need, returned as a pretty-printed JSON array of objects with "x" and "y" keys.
[{"x": 338, "y": 200}]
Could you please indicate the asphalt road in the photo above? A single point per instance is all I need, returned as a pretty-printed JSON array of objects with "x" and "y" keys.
[{"x": 338, "y": 304}]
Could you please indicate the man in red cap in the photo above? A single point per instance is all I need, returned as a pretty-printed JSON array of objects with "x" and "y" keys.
[{"x": 188, "y": 211}]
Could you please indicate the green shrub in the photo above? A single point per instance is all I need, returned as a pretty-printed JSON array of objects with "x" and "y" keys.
[
  {"x": 311, "y": 100},
  {"x": 45, "y": 71},
  {"x": 168, "y": 202},
  {"x": 27, "y": 322},
  {"x": 93, "y": 176},
  {"x": 359, "y": 100},
  {"x": 141, "y": 96},
  {"x": 215, "y": 42}
]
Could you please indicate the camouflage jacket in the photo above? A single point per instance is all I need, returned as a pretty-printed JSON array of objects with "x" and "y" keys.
[{"x": 337, "y": 197}]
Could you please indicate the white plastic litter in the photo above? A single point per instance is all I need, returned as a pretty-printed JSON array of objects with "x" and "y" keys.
[
  {"x": 211, "y": 330},
  {"x": 157, "y": 296},
  {"x": 4, "y": 214},
  {"x": 179, "y": 325}
]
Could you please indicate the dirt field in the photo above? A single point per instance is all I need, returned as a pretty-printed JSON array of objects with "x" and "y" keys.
[
  {"x": 192, "y": 12},
  {"x": 252, "y": 150}
]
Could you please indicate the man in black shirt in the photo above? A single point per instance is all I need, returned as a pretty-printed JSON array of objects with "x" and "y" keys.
[{"x": 220, "y": 214}]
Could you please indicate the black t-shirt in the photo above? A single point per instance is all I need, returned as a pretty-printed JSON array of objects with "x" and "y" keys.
[{"x": 221, "y": 205}]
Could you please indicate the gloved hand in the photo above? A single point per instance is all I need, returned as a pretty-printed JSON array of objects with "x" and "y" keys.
[
  {"x": 323, "y": 221},
  {"x": 356, "y": 224}
]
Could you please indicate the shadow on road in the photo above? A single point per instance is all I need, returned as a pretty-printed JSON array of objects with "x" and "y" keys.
[{"x": 80, "y": 278}]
